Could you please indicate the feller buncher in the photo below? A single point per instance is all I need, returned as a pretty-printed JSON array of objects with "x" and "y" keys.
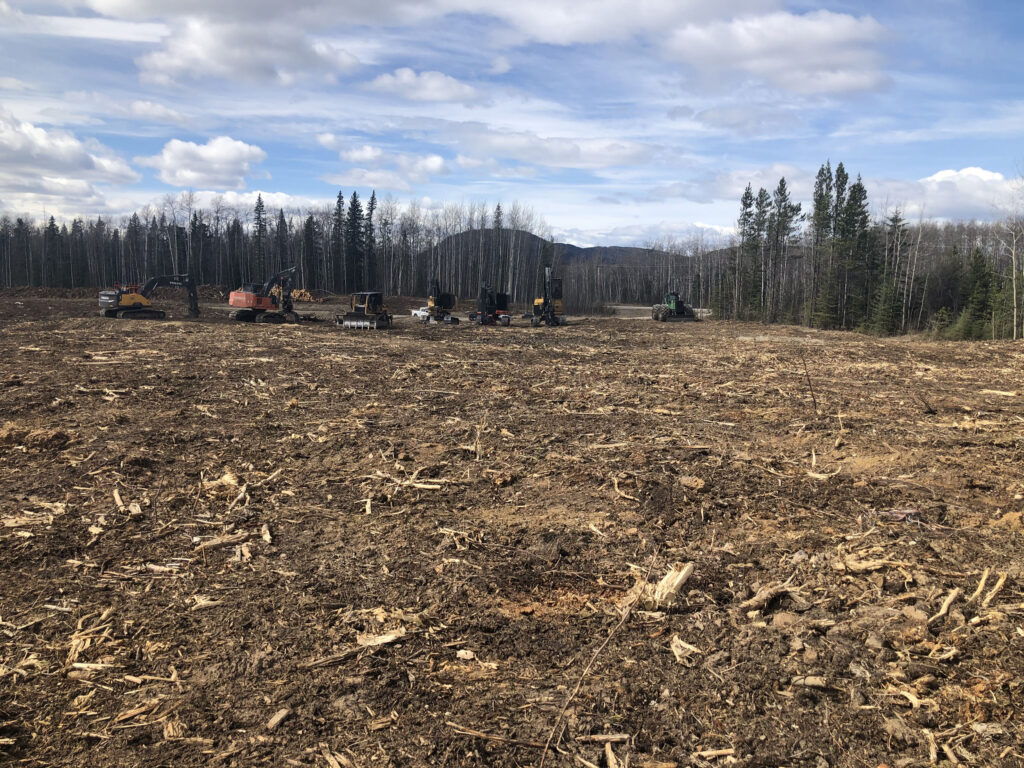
[
  {"x": 672, "y": 308},
  {"x": 367, "y": 311},
  {"x": 491, "y": 308},
  {"x": 270, "y": 302},
  {"x": 440, "y": 306},
  {"x": 548, "y": 308},
  {"x": 130, "y": 302}
]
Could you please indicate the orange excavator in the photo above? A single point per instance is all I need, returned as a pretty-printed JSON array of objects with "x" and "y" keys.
[{"x": 257, "y": 303}]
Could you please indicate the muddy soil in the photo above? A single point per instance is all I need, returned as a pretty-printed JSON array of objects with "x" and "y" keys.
[{"x": 239, "y": 545}]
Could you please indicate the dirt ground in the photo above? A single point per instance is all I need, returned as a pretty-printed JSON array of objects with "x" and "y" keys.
[{"x": 243, "y": 545}]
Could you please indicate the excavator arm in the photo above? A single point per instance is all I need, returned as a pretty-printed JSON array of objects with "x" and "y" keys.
[
  {"x": 284, "y": 278},
  {"x": 180, "y": 281}
]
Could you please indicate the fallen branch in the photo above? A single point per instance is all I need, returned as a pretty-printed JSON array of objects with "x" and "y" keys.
[
  {"x": 464, "y": 731},
  {"x": 981, "y": 587},
  {"x": 995, "y": 590},
  {"x": 944, "y": 609},
  {"x": 222, "y": 541},
  {"x": 623, "y": 494}
]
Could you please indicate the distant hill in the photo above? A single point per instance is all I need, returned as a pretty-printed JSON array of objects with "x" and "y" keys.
[{"x": 530, "y": 248}]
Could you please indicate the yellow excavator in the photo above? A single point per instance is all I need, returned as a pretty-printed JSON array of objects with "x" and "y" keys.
[
  {"x": 440, "y": 306},
  {"x": 130, "y": 302},
  {"x": 548, "y": 308}
]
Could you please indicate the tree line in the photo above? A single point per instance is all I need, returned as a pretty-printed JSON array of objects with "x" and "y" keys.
[
  {"x": 352, "y": 246},
  {"x": 835, "y": 266}
]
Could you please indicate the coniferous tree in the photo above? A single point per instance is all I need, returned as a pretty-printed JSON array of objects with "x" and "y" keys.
[
  {"x": 338, "y": 257},
  {"x": 355, "y": 245},
  {"x": 369, "y": 238},
  {"x": 259, "y": 236},
  {"x": 975, "y": 322},
  {"x": 282, "y": 258},
  {"x": 745, "y": 253},
  {"x": 312, "y": 239}
]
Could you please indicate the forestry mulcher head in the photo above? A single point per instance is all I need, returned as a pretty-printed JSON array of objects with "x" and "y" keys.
[
  {"x": 366, "y": 312},
  {"x": 130, "y": 302}
]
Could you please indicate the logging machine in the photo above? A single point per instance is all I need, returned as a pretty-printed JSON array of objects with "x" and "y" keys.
[
  {"x": 270, "y": 302},
  {"x": 130, "y": 302}
]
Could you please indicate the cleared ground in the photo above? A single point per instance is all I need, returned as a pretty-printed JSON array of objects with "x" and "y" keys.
[{"x": 239, "y": 545}]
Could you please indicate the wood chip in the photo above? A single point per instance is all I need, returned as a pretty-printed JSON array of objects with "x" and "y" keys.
[
  {"x": 278, "y": 717},
  {"x": 226, "y": 540}
]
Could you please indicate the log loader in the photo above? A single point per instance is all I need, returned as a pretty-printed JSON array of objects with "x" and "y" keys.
[
  {"x": 440, "y": 306},
  {"x": 130, "y": 302},
  {"x": 491, "y": 308},
  {"x": 548, "y": 308},
  {"x": 257, "y": 303}
]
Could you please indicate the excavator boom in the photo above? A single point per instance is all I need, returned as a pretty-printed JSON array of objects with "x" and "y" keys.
[{"x": 131, "y": 302}]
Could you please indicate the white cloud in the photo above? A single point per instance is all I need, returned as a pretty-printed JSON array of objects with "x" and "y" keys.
[
  {"x": 222, "y": 162},
  {"x": 149, "y": 110},
  {"x": 256, "y": 51},
  {"x": 28, "y": 149},
  {"x": 53, "y": 170},
  {"x": 363, "y": 154},
  {"x": 405, "y": 171},
  {"x": 566, "y": 22},
  {"x": 423, "y": 86},
  {"x": 13, "y": 84},
  {"x": 464, "y": 161},
  {"x": 500, "y": 65},
  {"x": 477, "y": 139},
  {"x": 968, "y": 193},
  {"x": 364, "y": 178},
  {"x": 818, "y": 52}
]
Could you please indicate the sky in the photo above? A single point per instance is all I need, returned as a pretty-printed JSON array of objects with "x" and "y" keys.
[{"x": 619, "y": 122}]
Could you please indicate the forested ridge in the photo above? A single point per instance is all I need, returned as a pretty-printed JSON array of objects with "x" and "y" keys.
[{"x": 834, "y": 266}]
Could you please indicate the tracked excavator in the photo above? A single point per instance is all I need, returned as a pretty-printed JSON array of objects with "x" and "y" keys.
[
  {"x": 270, "y": 302},
  {"x": 491, "y": 308},
  {"x": 130, "y": 302},
  {"x": 548, "y": 308},
  {"x": 440, "y": 306},
  {"x": 367, "y": 311}
]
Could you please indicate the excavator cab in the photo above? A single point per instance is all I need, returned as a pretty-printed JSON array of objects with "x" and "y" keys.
[
  {"x": 440, "y": 306},
  {"x": 367, "y": 311},
  {"x": 269, "y": 302},
  {"x": 491, "y": 308},
  {"x": 132, "y": 302}
]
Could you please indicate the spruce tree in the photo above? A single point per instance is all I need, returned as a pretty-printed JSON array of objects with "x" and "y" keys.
[
  {"x": 975, "y": 322},
  {"x": 340, "y": 275},
  {"x": 281, "y": 257},
  {"x": 311, "y": 249},
  {"x": 355, "y": 244},
  {"x": 259, "y": 236},
  {"x": 745, "y": 252},
  {"x": 369, "y": 243}
]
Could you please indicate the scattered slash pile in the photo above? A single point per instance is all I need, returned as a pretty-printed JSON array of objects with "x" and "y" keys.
[{"x": 615, "y": 543}]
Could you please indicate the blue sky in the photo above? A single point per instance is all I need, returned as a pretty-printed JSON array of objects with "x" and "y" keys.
[{"x": 617, "y": 121}]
